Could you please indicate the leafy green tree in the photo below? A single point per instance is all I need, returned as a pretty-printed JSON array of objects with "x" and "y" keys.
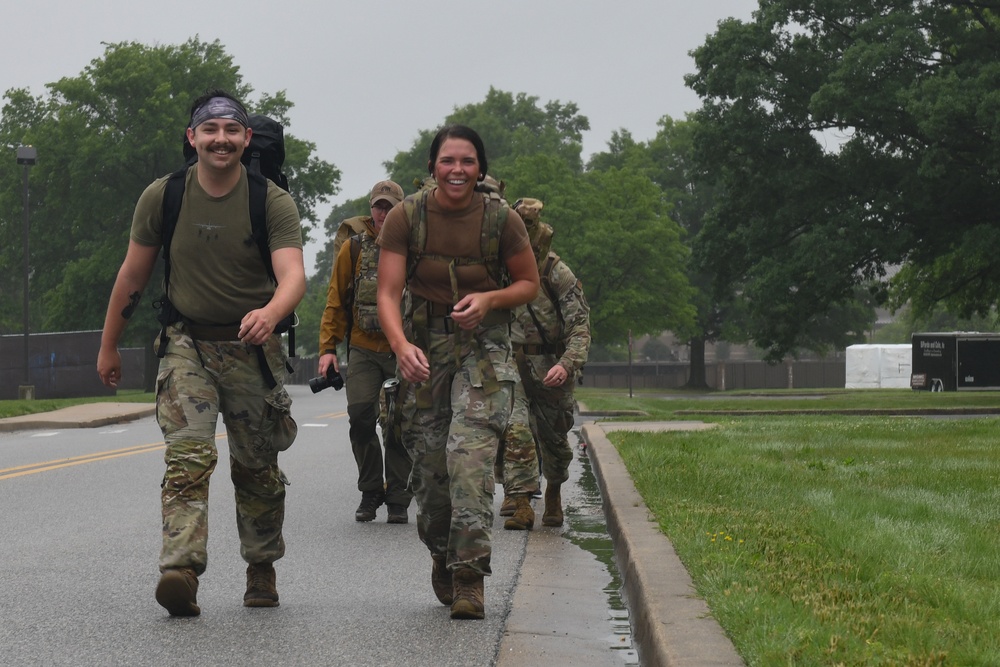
[
  {"x": 614, "y": 230},
  {"x": 908, "y": 323},
  {"x": 102, "y": 137},
  {"x": 668, "y": 161},
  {"x": 849, "y": 137}
]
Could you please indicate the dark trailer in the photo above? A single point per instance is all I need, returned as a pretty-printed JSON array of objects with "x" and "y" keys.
[{"x": 955, "y": 361}]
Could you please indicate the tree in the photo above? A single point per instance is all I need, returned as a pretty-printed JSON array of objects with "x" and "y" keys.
[
  {"x": 102, "y": 137},
  {"x": 668, "y": 161},
  {"x": 849, "y": 137}
]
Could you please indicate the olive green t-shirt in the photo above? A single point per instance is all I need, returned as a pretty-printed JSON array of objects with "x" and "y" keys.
[
  {"x": 217, "y": 275},
  {"x": 451, "y": 234}
]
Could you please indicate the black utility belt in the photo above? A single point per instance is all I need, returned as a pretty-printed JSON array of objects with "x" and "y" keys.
[{"x": 213, "y": 333}]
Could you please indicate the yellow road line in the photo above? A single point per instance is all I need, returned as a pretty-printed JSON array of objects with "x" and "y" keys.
[
  {"x": 44, "y": 466},
  {"x": 79, "y": 460}
]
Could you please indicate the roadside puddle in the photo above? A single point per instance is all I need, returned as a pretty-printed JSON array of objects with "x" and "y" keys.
[{"x": 587, "y": 529}]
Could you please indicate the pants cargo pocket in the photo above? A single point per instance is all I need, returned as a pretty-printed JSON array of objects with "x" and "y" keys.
[{"x": 277, "y": 429}]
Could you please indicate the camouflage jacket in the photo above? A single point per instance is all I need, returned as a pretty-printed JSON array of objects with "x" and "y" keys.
[{"x": 558, "y": 319}]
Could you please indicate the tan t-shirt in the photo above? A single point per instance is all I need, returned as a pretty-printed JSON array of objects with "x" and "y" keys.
[
  {"x": 451, "y": 234},
  {"x": 217, "y": 275}
]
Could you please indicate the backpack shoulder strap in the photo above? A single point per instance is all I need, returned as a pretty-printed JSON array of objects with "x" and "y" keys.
[
  {"x": 355, "y": 241},
  {"x": 545, "y": 276},
  {"x": 257, "y": 185},
  {"x": 415, "y": 207},
  {"x": 355, "y": 252},
  {"x": 173, "y": 196},
  {"x": 495, "y": 210}
]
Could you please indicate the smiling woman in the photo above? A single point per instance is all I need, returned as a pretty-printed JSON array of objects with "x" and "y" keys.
[{"x": 449, "y": 246}]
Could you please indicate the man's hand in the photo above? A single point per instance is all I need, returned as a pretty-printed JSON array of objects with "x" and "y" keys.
[
  {"x": 327, "y": 360},
  {"x": 109, "y": 367},
  {"x": 256, "y": 327}
]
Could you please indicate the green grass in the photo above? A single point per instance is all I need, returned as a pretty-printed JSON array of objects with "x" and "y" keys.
[
  {"x": 17, "y": 408},
  {"x": 830, "y": 539},
  {"x": 688, "y": 405}
]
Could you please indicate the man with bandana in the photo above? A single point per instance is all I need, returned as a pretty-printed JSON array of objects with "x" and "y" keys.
[{"x": 221, "y": 354}]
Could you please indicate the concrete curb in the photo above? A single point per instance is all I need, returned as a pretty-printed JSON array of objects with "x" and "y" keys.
[
  {"x": 85, "y": 415},
  {"x": 671, "y": 625}
]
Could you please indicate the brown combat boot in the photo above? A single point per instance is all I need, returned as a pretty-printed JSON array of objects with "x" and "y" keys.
[
  {"x": 441, "y": 580},
  {"x": 523, "y": 517},
  {"x": 507, "y": 506},
  {"x": 553, "y": 514},
  {"x": 261, "y": 589},
  {"x": 177, "y": 591},
  {"x": 468, "y": 596}
]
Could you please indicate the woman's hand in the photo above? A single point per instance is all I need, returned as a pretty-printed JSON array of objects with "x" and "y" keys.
[
  {"x": 471, "y": 310},
  {"x": 412, "y": 363}
]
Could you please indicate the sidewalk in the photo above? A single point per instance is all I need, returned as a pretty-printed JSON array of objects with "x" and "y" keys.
[
  {"x": 671, "y": 626},
  {"x": 85, "y": 415}
]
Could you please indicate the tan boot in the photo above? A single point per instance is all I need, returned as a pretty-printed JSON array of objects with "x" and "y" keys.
[
  {"x": 468, "y": 596},
  {"x": 523, "y": 517},
  {"x": 441, "y": 580},
  {"x": 553, "y": 514},
  {"x": 507, "y": 506},
  {"x": 177, "y": 591},
  {"x": 261, "y": 588}
]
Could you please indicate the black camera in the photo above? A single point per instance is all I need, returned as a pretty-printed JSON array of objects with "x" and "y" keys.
[{"x": 332, "y": 379}]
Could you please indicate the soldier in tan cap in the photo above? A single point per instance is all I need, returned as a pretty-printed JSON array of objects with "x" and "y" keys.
[{"x": 351, "y": 315}]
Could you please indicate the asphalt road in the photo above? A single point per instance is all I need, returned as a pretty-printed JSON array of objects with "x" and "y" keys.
[{"x": 80, "y": 526}]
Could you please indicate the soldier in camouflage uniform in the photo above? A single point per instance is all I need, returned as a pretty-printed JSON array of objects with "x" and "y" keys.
[
  {"x": 448, "y": 245},
  {"x": 350, "y": 315},
  {"x": 219, "y": 356},
  {"x": 551, "y": 338}
]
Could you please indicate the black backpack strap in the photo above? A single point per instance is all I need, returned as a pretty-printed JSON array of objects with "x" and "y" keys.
[
  {"x": 257, "y": 185},
  {"x": 355, "y": 241},
  {"x": 258, "y": 218},
  {"x": 173, "y": 195}
]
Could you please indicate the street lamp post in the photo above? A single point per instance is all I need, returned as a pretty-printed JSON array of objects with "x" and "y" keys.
[{"x": 26, "y": 155}]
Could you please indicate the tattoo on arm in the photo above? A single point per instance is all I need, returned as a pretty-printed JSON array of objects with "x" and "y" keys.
[{"x": 133, "y": 301}]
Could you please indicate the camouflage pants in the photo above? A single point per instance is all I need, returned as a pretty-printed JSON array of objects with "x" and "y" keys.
[
  {"x": 196, "y": 383},
  {"x": 517, "y": 460},
  {"x": 451, "y": 426},
  {"x": 551, "y": 418},
  {"x": 366, "y": 372}
]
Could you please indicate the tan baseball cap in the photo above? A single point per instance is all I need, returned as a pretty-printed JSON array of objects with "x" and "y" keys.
[{"x": 386, "y": 191}]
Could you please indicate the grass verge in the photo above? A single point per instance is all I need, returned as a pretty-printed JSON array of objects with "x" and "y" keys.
[
  {"x": 834, "y": 540},
  {"x": 17, "y": 408}
]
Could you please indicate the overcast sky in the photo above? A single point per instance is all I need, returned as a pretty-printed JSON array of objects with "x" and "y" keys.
[{"x": 367, "y": 76}]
